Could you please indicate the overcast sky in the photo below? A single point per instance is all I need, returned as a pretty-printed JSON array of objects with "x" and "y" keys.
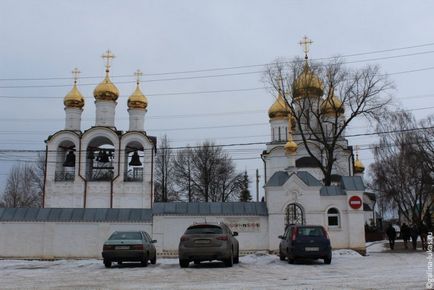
[{"x": 47, "y": 39}]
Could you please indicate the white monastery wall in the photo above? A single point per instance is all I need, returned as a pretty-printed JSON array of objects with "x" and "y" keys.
[
  {"x": 169, "y": 229},
  {"x": 49, "y": 240}
]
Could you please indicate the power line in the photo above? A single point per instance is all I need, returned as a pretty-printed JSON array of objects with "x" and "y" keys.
[
  {"x": 2, "y": 151},
  {"x": 185, "y": 128},
  {"x": 216, "y": 69},
  {"x": 185, "y": 78}
]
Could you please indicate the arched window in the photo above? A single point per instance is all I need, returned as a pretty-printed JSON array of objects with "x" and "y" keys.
[
  {"x": 134, "y": 162},
  {"x": 280, "y": 138},
  {"x": 294, "y": 215},
  {"x": 333, "y": 219},
  {"x": 99, "y": 159},
  {"x": 65, "y": 162}
]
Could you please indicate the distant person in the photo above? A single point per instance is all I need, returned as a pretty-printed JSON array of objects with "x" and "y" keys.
[
  {"x": 391, "y": 234},
  {"x": 414, "y": 233},
  {"x": 405, "y": 234},
  {"x": 423, "y": 232}
]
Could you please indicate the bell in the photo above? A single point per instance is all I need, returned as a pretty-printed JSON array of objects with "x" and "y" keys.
[
  {"x": 69, "y": 160},
  {"x": 135, "y": 160},
  {"x": 103, "y": 157}
]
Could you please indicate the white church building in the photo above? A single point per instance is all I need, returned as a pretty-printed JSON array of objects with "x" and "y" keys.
[{"x": 101, "y": 179}]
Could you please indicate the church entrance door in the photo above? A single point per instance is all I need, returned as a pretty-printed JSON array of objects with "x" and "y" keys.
[{"x": 294, "y": 215}]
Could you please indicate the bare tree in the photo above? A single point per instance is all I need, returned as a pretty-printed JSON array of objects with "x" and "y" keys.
[
  {"x": 401, "y": 172},
  {"x": 163, "y": 172},
  {"x": 206, "y": 173},
  {"x": 23, "y": 187},
  {"x": 324, "y": 98},
  {"x": 183, "y": 173}
]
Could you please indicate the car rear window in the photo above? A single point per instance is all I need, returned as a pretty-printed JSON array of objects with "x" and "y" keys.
[
  {"x": 311, "y": 232},
  {"x": 204, "y": 229},
  {"x": 126, "y": 236}
]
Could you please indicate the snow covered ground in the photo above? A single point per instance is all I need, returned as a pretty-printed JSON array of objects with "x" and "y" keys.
[{"x": 348, "y": 270}]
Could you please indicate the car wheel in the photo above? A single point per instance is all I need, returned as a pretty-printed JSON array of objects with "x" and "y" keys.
[
  {"x": 183, "y": 263},
  {"x": 281, "y": 256},
  {"x": 237, "y": 258},
  {"x": 291, "y": 260},
  {"x": 154, "y": 260},
  {"x": 107, "y": 263},
  {"x": 229, "y": 262},
  {"x": 144, "y": 262},
  {"x": 327, "y": 260}
]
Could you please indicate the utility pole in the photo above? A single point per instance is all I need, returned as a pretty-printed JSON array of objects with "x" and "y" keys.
[{"x": 257, "y": 184}]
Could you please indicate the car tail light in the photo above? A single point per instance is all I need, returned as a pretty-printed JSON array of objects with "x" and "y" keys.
[
  {"x": 326, "y": 234},
  {"x": 184, "y": 238},
  {"x": 137, "y": 247},
  {"x": 222, "y": 238},
  {"x": 294, "y": 234},
  {"x": 107, "y": 248}
]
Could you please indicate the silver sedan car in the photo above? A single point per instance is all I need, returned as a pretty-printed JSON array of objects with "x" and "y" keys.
[
  {"x": 129, "y": 246},
  {"x": 207, "y": 242}
]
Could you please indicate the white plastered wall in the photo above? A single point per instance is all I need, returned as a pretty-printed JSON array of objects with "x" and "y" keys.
[
  {"x": 169, "y": 229},
  {"x": 48, "y": 240}
]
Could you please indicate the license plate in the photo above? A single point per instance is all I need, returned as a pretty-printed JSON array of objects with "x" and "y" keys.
[
  {"x": 311, "y": 249},
  {"x": 122, "y": 248},
  {"x": 202, "y": 241}
]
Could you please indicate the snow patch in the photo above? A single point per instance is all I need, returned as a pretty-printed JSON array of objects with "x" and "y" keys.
[
  {"x": 346, "y": 253},
  {"x": 259, "y": 258}
]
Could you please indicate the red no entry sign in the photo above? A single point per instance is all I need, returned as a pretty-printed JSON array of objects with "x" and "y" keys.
[{"x": 355, "y": 202}]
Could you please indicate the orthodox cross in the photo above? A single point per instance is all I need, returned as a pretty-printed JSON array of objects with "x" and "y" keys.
[
  {"x": 75, "y": 73},
  {"x": 138, "y": 74},
  {"x": 305, "y": 42},
  {"x": 108, "y": 56},
  {"x": 357, "y": 151}
]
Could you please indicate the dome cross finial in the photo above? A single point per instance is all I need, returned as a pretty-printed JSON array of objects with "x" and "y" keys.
[
  {"x": 108, "y": 56},
  {"x": 138, "y": 74},
  {"x": 75, "y": 74},
  {"x": 305, "y": 43},
  {"x": 279, "y": 81}
]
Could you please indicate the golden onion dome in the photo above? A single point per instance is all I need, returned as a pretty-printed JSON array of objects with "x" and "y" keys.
[
  {"x": 332, "y": 106},
  {"x": 74, "y": 99},
  {"x": 137, "y": 100},
  {"x": 106, "y": 90},
  {"x": 358, "y": 166},
  {"x": 279, "y": 109},
  {"x": 290, "y": 146},
  {"x": 307, "y": 84}
]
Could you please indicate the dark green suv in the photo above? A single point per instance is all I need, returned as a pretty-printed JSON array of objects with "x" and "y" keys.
[{"x": 303, "y": 241}]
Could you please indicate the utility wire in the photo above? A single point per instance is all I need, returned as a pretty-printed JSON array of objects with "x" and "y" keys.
[
  {"x": 217, "y": 69},
  {"x": 185, "y": 128},
  {"x": 233, "y": 144}
]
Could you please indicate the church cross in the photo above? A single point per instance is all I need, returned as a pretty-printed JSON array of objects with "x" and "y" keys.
[
  {"x": 305, "y": 42},
  {"x": 138, "y": 74},
  {"x": 357, "y": 151},
  {"x": 75, "y": 73},
  {"x": 108, "y": 56},
  {"x": 279, "y": 81}
]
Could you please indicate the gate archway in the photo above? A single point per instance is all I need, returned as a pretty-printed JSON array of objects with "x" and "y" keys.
[{"x": 294, "y": 215}]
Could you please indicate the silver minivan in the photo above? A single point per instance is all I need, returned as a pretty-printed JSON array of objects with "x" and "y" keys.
[{"x": 208, "y": 242}]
